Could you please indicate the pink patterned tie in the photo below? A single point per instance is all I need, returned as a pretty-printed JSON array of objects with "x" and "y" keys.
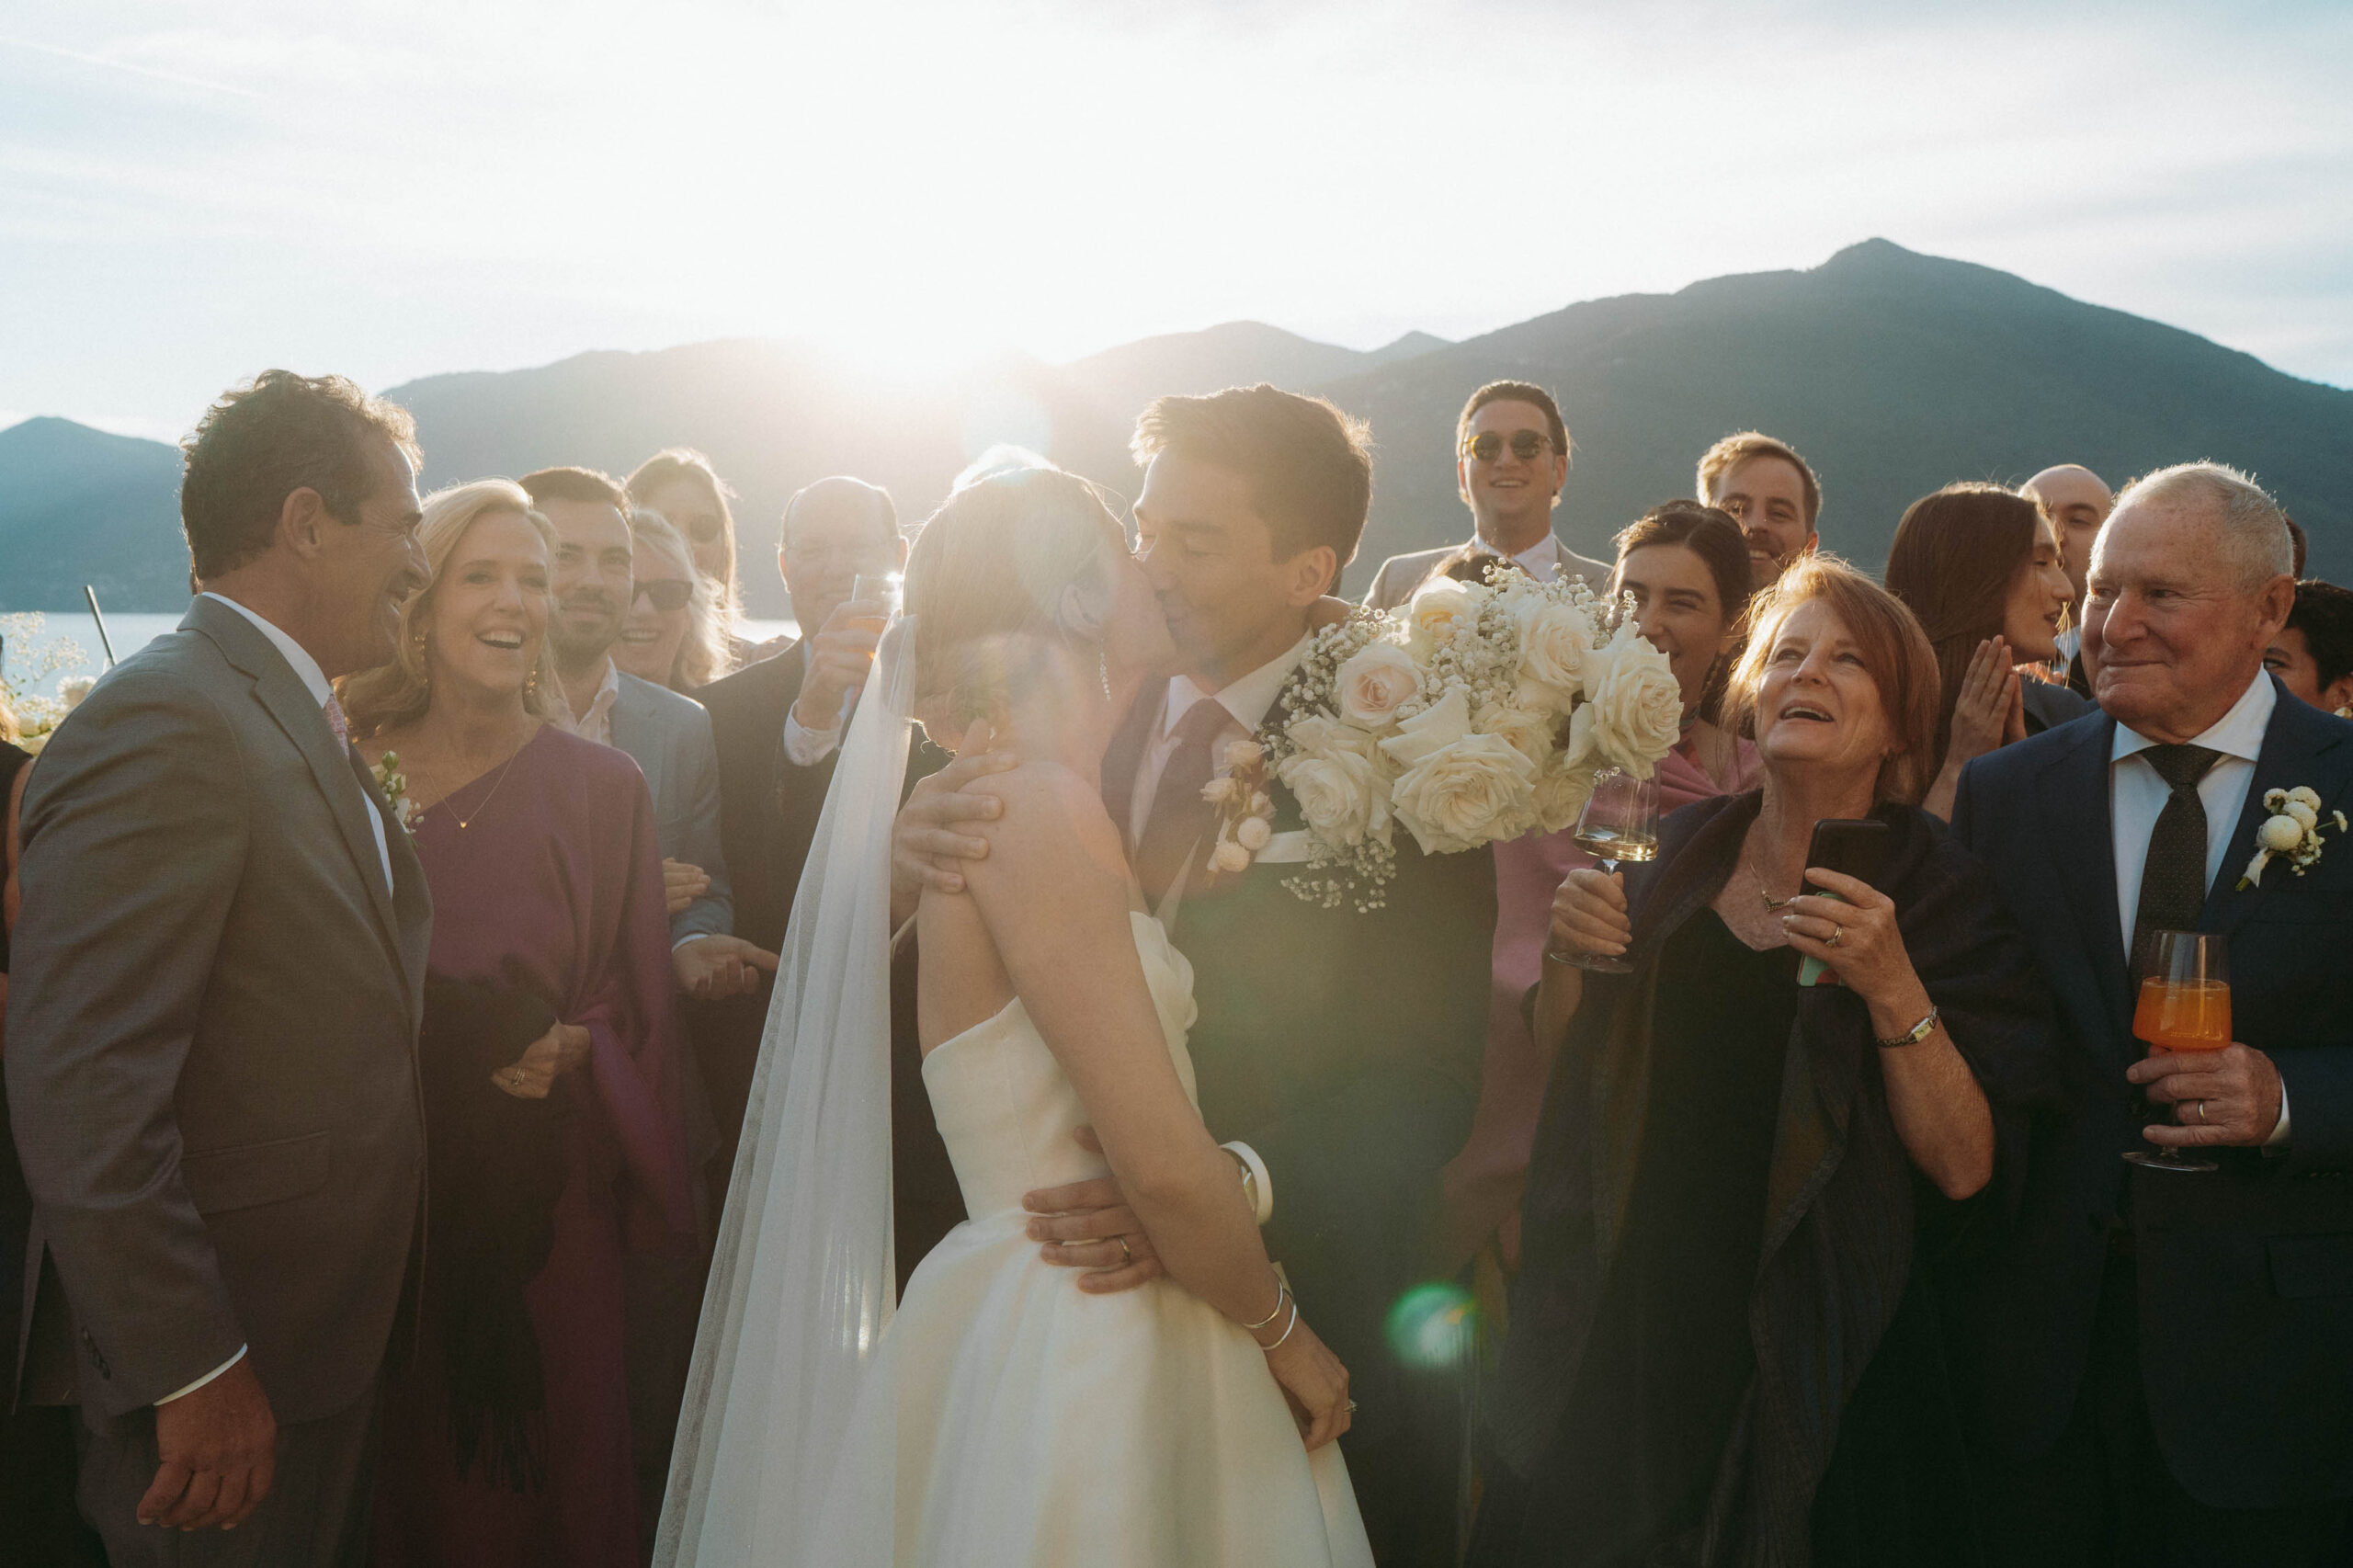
[{"x": 338, "y": 723}]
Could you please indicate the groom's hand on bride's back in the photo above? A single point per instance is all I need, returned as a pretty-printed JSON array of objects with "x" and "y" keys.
[
  {"x": 929, "y": 838},
  {"x": 1084, "y": 1226}
]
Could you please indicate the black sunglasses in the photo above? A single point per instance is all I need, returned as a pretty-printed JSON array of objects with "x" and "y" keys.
[
  {"x": 667, "y": 592},
  {"x": 1488, "y": 446}
]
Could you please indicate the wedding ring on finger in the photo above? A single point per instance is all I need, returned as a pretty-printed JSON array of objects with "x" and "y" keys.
[
  {"x": 1838, "y": 935},
  {"x": 2201, "y": 1113},
  {"x": 1127, "y": 1258}
]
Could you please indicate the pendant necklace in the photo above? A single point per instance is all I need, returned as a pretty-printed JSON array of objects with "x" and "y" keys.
[{"x": 465, "y": 822}]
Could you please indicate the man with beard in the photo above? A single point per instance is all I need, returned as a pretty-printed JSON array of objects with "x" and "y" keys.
[
  {"x": 1340, "y": 1050},
  {"x": 1511, "y": 457},
  {"x": 1771, "y": 492}
]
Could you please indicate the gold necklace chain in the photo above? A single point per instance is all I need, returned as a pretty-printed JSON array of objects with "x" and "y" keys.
[{"x": 505, "y": 768}]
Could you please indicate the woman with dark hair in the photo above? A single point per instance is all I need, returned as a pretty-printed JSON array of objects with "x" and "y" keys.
[
  {"x": 1686, "y": 566},
  {"x": 1737, "y": 1169},
  {"x": 1982, "y": 568}
]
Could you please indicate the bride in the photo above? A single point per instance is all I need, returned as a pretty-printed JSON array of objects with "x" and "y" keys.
[{"x": 1003, "y": 1417}]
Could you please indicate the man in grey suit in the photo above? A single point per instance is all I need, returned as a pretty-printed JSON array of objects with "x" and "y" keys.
[
  {"x": 212, "y": 1020},
  {"x": 1511, "y": 457}
]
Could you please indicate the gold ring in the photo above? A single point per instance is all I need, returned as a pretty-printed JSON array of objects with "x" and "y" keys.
[
  {"x": 2201, "y": 1113},
  {"x": 1837, "y": 934},
  {"x": 1126, "y": 1257}
]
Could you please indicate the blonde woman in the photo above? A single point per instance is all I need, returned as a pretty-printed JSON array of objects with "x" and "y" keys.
[
  {"x": 508, "y": 1439},
  {"x": 672, "y": 635},
  {"x": 680, "y": 484}
]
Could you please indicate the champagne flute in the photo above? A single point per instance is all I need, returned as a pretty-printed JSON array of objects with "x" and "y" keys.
[
  {"x": 2185, "y": 1004},
  {"x": 1619, "y": 827}
]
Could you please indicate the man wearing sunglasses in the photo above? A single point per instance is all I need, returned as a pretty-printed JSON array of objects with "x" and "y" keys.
[{"x": 1511, "y": 457}]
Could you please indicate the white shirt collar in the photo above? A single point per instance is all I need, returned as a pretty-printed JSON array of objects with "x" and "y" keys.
[
  {"x": 585, "y": 724},
  {"x": 1247, "y": 699},
  {"x": 2238, "y": 732},
  {"x": 306, "y": 668},
  {"x": 1542, "y": 559}
]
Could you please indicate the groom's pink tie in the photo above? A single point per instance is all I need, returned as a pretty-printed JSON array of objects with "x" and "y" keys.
[{"x": 338, "y": 723}]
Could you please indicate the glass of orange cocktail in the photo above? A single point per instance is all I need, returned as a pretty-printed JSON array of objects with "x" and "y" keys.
[{"x": 2185, "y": 1004}]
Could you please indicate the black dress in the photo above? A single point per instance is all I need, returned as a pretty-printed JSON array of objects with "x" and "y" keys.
[{"x": 1670, "y": 1359}]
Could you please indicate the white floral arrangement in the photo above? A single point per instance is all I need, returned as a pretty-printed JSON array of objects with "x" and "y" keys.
[
  {"x": 33, "y": 659},
  {"x": 2292, "y": 829},
  {"x": 1482, "y": 714},
  {"x": 394, "y": 784}
]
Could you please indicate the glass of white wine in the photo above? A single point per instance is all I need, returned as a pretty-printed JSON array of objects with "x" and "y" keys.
[{"x": 1620, "y": 827}]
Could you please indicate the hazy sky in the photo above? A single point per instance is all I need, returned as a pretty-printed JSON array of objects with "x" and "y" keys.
[{"x": 189, "y": 192}]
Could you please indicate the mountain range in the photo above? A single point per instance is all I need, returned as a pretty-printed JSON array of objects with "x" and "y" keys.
[{"x": 1895, "y": 373}]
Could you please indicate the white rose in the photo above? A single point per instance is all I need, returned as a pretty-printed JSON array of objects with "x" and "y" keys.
[
  {"x": 1554, "y": 641},
  {"x": 72, "y": 689},
  {"x": 1342, "y": 796},
  {"x": 2302, "y": 794},
  {"x": 1480, "y": 788},
  {"x": 1440, "y": 724},
  {"x": 1560, "y": 794},
  {"x": 2279, "y": 834},
  {"x": 1229, "y": 857},
  {"x": 1254, "y": 834},
  {"x": 1376, "y": 679},
  {"x": 2303, "y": 813},
  {"x": 1241, "y": 755},
  {"x": 1441, "y": 608},
  {"x": 1316, "y": 736},
  {"x": 1531, "y": 731},
  {"x": 1637, "y": 704}
]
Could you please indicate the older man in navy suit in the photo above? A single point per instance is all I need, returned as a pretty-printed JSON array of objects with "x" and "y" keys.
[{"x": 2164, "y": 1360}]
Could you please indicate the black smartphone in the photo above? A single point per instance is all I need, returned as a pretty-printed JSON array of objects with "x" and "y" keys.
[{"x": 1855, "y": 847}]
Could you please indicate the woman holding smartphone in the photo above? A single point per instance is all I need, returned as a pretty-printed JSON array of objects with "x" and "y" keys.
[{"x": 1737, "y": 1174}]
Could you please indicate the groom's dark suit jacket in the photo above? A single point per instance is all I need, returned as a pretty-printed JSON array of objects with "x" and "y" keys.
[
  {"x": 1344, "y": 1048},
  {"x": 2246, "y": 1275},
  {"x": 212, "y": 1021}
]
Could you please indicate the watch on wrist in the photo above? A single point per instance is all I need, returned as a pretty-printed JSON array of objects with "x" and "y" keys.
[{"x": 1915, "y": 1034}]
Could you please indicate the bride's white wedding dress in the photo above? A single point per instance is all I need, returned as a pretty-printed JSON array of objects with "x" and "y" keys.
[
  {"x": 1003, "y": 1418},
  {"x": 1034, "y": 1424}
]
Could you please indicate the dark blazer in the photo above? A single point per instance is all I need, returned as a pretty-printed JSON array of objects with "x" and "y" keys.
[
  {"x": 2245, "y": 1274},
  {"x": 1344, "y": 1048},
  {"x": 1839, "y": 1203},
  {"x": 212, "y": 1022},
  {"x": 768, "y": 811}
]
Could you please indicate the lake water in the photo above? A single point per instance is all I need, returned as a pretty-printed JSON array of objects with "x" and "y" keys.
[{"x": 133, "y": 632}]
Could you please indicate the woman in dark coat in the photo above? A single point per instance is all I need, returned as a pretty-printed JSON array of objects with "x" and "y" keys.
[{"x": 1737, "y": 1180}]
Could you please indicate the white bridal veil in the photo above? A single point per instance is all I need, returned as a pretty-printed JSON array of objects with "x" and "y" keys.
[{"x": 801, "y": 1284}]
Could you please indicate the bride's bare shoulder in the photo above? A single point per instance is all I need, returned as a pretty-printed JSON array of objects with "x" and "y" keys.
[{"x": 1052, "y": 824}]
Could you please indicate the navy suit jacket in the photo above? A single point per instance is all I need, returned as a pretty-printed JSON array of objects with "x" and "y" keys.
[{"x": 2246, "y": 1275}]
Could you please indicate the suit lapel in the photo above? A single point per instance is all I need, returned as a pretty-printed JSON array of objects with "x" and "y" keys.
[
  {"x": 631, "y": 727},
  {"x": 282, "y": 693},
  {"x": 2293, "y": 747},
  {"x": 2078, "y": 829}
]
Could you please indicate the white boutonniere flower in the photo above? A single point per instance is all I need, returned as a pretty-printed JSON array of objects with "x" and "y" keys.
[
  {"x": 394, "y": 784},
  {"x": 1246, "y": 813},
  {"x": 2292, "y": 829}
]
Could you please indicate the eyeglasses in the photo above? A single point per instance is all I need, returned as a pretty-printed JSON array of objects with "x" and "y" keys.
[
  {"x": 1487, "y": 446},
  {"x": 667, "y": 592}
]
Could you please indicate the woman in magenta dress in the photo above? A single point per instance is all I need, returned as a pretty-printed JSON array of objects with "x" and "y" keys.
[
  {"x": 547, "y": 908},
  {"x": 1686, "y": 566}
]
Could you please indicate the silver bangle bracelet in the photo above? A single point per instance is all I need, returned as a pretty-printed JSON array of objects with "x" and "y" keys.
[
  {"x": 1278, "y": 1344},
  {"x": 1282, "y": 1292}
]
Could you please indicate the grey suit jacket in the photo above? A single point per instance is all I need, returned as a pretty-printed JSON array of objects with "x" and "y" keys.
[
  {"x": 212, "y": 1020},
  {"x": 1401, "y": 575},
  {"x": 669, "y": 735}
]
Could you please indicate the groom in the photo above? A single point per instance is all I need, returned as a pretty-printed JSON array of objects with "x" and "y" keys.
[
  {"x": 213, "y": 1012},
  {"x": 1340, "y": 1051}
]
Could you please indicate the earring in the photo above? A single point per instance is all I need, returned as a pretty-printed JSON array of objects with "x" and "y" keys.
[
  {"x": 532, "y": 682},
  {"x": 1103, "y": 674}
]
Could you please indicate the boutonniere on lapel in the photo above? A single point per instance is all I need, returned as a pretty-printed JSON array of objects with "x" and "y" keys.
[
  {"x": 1246, "y": 813},
  {"x": 394, "y": 784},
  {"x": 2293, "y": 829}
]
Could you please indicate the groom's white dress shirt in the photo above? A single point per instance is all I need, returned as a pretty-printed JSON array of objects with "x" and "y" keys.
[
  {"x": 314, "y": 680},
  {"x": 2136, "y": 795}
]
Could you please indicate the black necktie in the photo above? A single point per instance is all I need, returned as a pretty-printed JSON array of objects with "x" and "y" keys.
[
  {"x": 1180, "y": 815},
  {"x": 2172, "y": 878}
]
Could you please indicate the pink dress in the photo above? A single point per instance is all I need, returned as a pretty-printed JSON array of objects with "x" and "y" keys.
[
  {"x": 555, "y": 888},
  {"x": 1482, "y": 1184}
]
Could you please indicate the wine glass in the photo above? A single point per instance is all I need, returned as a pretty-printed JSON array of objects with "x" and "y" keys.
[
  {"x": 1620, "y": 827},
  {"x": 2185, "y": 1004},
  {"x": 877, "y": 588}
]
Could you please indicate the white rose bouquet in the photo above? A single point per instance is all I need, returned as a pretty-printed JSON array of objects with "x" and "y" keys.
[{"x": 1480, "y": 714}]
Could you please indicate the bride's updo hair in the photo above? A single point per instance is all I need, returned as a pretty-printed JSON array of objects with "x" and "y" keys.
[{"x": 1010, "y": 567}]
